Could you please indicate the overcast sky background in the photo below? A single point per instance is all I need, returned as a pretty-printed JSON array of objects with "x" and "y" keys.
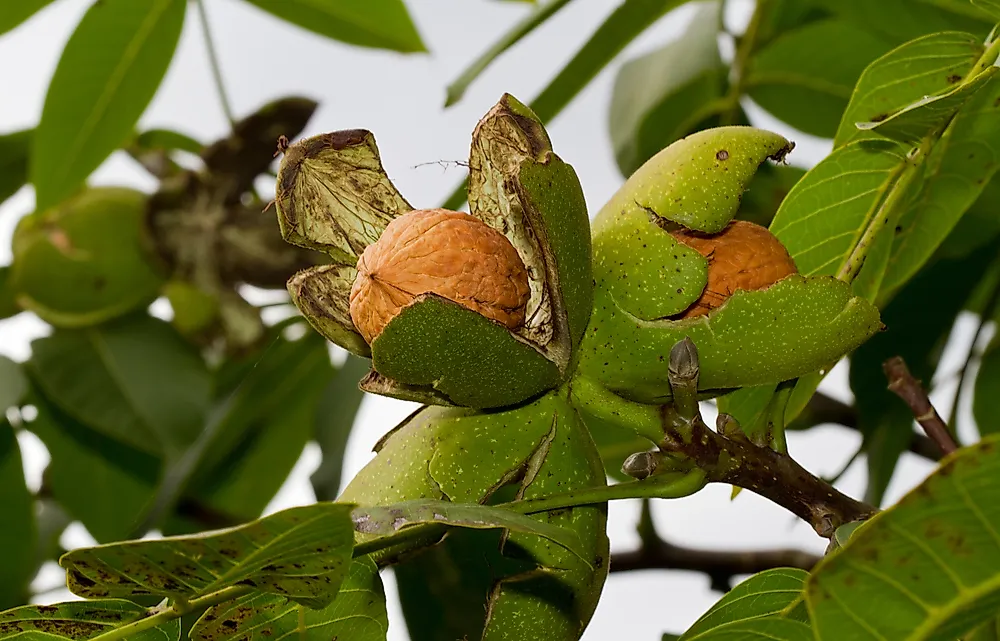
[{"x": 400, "y": 99}]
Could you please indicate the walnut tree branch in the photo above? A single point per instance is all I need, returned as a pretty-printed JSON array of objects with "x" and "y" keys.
[{"x": 903, "y": 385}]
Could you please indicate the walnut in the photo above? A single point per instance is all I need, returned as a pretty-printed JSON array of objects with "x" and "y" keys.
[
  {"x": 743, "y": 256},
  {"x": 448, "y": 253}
]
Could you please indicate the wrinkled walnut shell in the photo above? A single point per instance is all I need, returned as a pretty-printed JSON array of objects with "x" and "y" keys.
[
  {"x": 743, "y": 256},
  {"x": 451, "y": 254}
]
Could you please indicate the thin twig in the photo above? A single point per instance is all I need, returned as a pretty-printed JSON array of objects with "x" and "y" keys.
[
  {"x": 903, "y": 385},
  {"x": 213, "y": 62}
]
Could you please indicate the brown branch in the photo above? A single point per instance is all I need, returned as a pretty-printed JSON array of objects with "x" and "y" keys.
[
  {"x": 720, "y": 566},
  {"x": 731, "y": 458},
  {"x": 824, "y": 409},
  {"x": 903, "y": 385}
]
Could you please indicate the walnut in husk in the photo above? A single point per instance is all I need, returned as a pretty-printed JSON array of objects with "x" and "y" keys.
[
  {"x": 742, "y": 257},
  {"x": 448, "y": 253}
]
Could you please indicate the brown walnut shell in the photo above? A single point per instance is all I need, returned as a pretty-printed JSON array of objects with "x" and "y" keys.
[
  {"x": 448, "y": 253},
  {"x": 743, "y": 256}
]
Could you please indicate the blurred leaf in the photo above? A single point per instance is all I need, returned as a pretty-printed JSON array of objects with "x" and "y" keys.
[
  {"x": 627, "y": 21},
  {"x": 926, "y": 568},
  {"x": 532, "y": 21},
  {"x": 135, "y": 380},
  {"x": 990, "y": 6},
  {"x": 781, "y": 16},
  {"x": 961, "y": 166},
  {"x": 12, "y": 14},
  {"x": 768, "y": 189},
  {"x": 153, "y": 148},
  {"x": 301, "y": 553},
  {"x": 357, "y": 614},
  {"x": 335, "y": 414},
  {"x": 100, "y": 481},
  {"x": 923, "y": 67},
  {"x": 986, "y": 397},
  {"x": 14, "y": 150},
  {"x": 268, "y": 418},
  {"x": 385, "y": 24},
  {"x": 81, "y": 620},
  {"x": 669, "y": 93},
  {"x": 990, "y": 631},
  {"x": 903, "y": 20},
  {"x": 107, "y": 74},
  {"x": 13, "y": 384},
  {"x": 18, "y": 538},
  {"x": 766, "y": 594},
  {"x": 806, "y": 76},
  {"x": 8, "y": 303},
  {"x": 766, "y": 629},
  {"x": 885, "y": 421}
]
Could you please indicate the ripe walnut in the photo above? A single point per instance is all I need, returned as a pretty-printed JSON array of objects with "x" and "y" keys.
[
  {"x": 743, "y": 256},
  {"x": 448, "y": 253}
]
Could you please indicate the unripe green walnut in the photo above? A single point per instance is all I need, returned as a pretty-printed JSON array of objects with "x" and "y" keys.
[{"x": 448, "y": 253}]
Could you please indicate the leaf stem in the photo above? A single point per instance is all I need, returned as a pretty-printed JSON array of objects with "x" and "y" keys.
[
  {"x": 540, "y": 14},
  {"x": 213, "y": 62},
  {"x": 744, "y": 50},
  {"x": 162, "y": 616}
]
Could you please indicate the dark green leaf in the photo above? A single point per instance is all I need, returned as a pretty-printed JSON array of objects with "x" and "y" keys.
[
  {"x": 902, "y": 20},
  {"x": 767, "y": 191},
  {"x": 12, "y": 14},
  {"x": 301, "y": 553},
  {"x": 335, "y": 414},
  {"x": 669, "y": 93},
  {"x": 17, "y": 536},
  {"x": 13, "y": 384},
  {"x": 109, "y": 71},
  {"x": 923, "y": 67},
  {"x": 81, "y": 620},
  {"x": 385, "y": 24},
  {"x": 805, "y": 77},
  {"x": 8, "y": 304},
  {"x": 387, "y": 522},
  {"x": 153, "y": 150},
  {"x": 926, "y": 568},
  {"x": 135, "y": 380},
  {"x": 100, "y": 481},
  {"x": 986, "y": 397},
  {"x": 767, "y": 594},
  {"x": 357, "y": 614},
  {"x": 886, "y": 421},
  {"x": 627, "y": 21},
  {"x": 532, "y": 21},
  {"x": 14, "y": 150}
]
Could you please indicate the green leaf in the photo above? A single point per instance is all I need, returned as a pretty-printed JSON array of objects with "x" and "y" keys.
[
  {"x": 926, "y": 568},
  {"x": 393, "y": 519},
  {"x": 902, "y": 20},
  {"x": 358, "y": 614},
  {"x": 767, "y": 191},
  {"x": 267, "y": 419},
  {"x": 18, "y": 537},
  {"x": 301, "y": 553},
  {"x": 532, "y": 21},
  {"x": 14, "y": 150},
  {"x": 961, "y": 166},
  {"x": 109, "y": 71},
  {"x": 8, "y": 304},
  {"x": 153, "y": 150},
  {"x": 625, "y": 23},
  {"x": 12, "y": 14},
  {"x": 767, "y": 594},
  {"x": 923, "y": 67},
  {"x": 990, "y": 6},
  {"x": 335, "y": 415},
  {"x": 805, "y": 77},
  {"x": 135, "y": 380},
  {"x": 985, "y": 407},
  {"x": 385, "y": 24},
  {"x": 767, "y": 629},
  {"x": 669, "y": 93},
  {"x": 13, "y": 384},
  {"x": 81, "y": 620}
]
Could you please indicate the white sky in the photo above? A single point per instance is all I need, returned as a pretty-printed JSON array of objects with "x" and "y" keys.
[{"x": 399, "y": 98}]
